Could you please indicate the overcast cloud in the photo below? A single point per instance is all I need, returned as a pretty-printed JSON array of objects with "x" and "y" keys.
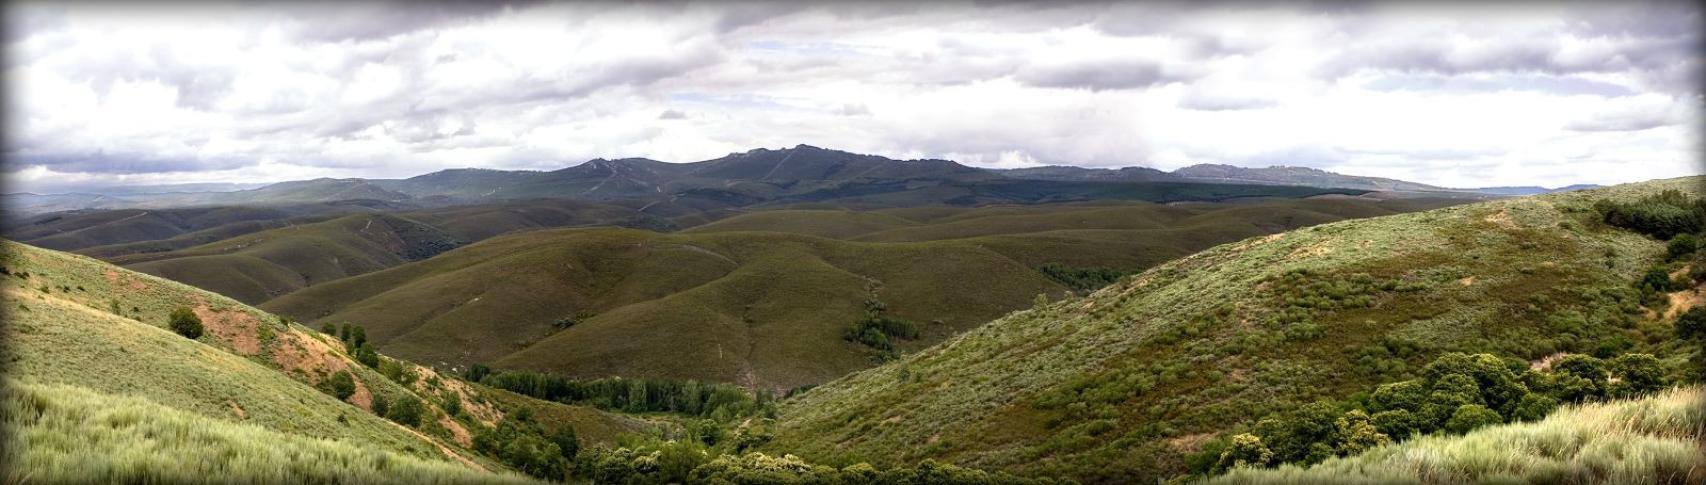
[{"x": 1525, "y": 94}]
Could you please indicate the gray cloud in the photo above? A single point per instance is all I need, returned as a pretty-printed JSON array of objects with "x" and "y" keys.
[
  {"x": 1099, "y": 75},
  {"x": 533, "y": 85}
]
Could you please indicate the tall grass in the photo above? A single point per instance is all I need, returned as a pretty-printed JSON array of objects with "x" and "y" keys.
[
  {"x": 68, "y": 434},
  {"x": 1657, "y": 439}
]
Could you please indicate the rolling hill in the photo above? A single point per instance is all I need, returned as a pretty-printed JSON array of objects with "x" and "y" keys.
[
  {"x": 99, "y": 391},
  {"x": 763, "y": 298},
  {"x": 1124, "y": 384}
]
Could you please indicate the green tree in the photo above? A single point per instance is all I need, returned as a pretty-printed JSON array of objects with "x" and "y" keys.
[
  {"x": 406, "y": 411},
  {"x": 1533, "y": 407},
  {"x": 1639, "y": 374},
  {"x": 1408, "y": 395},
  {"x": 1245, "y": 450},
  {"x": 567, "y": 442},
  {"x": 342, "y": 385},
  {"x": 329, "y": 329},
  {"x": 1357, "y": 433},
  {"x": 366, "y": 355},
  {"x": 1681, "y": 246},
  {"x": 1471, "y": 416},
  {"x": 1291, "y": 435},
  {"x": 357, "y": 336},
  {"x": 1397, "y": 423},
  {"x": 185, "y": 322},
  {"x": 1692, "y": 324},
  {"x": 1579, "y": 377}
]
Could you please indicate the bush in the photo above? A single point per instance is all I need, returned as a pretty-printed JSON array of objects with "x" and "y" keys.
[
  {"x": 1639, "y": 374},
  {"x": 366, "y": 355},
  {"x": 568, "y": 443},
  {"x": 1692, "y": 324},
  {"x": 1358, "y": 434},
  {"x": 1470, "y": 417},
  {"x": 1533, "y": 407},
  {"x": 1681, "y": 246},
  {"x": 407, "y": 411},
  {"x": 1245, "y": 450},
  {"x": 342, "y": 385},
  {"x": 185, "y": 322}
]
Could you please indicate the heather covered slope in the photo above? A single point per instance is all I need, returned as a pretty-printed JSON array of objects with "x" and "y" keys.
[
  {"x": 1122, "y": 384},
  {"x": 763, "y": 298},
  {"x": 1658, "y": 439},
  {"x": 85, "y": 340}
]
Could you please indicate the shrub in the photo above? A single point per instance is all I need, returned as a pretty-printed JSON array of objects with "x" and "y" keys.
[
  {"x": 1358, "y": 434},
  {"x": 567, "y": 442},
  {"x": 1639, "y": 374},
  {"x": 1291, "y": 435},
  {"x": 1470, "y": 417},
  {"x": 476, "y": 372},
  {"x": 329, "y": 329},
  {"x": 342, "y": 385},
  {"x": 1397, "y": 423},
  {"x": 1245, "y": 450},
  {"x": 406, "y": 411},
  {"x": 1692, "y": 324},
  {"x": 1683, "y": 245},
  {"x": 1533, "y": 407},
  {"x": 366, "y": 355},
  {"x": 185, "y": 322}
]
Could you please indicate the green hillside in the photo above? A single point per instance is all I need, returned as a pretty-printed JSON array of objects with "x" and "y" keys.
[
  {"x": 259, "y": 266},
  {"x": 756, "y": 299},
  {"x": 86, "y": 345},
  {"x": 1651, "y": 440},
  {"x": 1122, "y": 385}
]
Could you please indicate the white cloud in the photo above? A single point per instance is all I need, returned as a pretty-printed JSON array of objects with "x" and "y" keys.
[{"x": 1455, "y": 95}]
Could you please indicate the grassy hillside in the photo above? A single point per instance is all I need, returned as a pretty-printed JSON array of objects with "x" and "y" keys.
[
  {"x": 756, "y": 308},
  {"x": 1651, "y": 440},
  {"x": 1123, "y": 384},
  {"x": 70, "y": 434},
  {"x": 82, "y": 335},
  {"x": 257, "y": 267},
  {"x": 763, "y": 298}
]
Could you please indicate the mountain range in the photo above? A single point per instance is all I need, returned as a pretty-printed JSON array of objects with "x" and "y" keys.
[{"x": 762, "y": 176}]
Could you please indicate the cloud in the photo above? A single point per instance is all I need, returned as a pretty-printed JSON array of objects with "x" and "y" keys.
[
  {"x": 1459, "y": 94},
  {"x": 1098, "y": 75}
]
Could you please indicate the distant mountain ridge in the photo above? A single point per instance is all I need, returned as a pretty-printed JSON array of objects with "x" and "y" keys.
[{"x": 803, "y": 173}]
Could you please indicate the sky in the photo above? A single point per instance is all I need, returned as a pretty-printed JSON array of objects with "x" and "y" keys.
[{"x": 1459, "y": 95}]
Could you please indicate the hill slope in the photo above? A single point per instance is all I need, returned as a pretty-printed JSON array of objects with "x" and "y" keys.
[
  {"x": 84, "y": 342},
  {"x": 1649, "y": 440},
  {"x": 763, "y": 298},
  {"x": 1118, "y": 386}
]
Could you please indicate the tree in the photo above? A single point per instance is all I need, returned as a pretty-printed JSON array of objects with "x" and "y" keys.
[
  {"x": 1397, "y": 423},
  {"x": 1578, "y": 377},
  {"x": 1639, "y": 373},
  {"x": 380, "y": 405},
  {"x": 185, "y": 322},
  {"x": 567, "y": 442},
  {"x": 366, "y": 355},
  {"x": 476, "y": 372},
  {"x": 406, "y": 411},
  {"x": 1533, "y": 407},
  {"x": 1358, "y": 434},
  {"x": 1471, "y": 416},
  {"x": 1245, "y": 450},
  {"x": 329, "y": 329},
  {"x": 1405, "y": 395},
  {"x": 357, "y": 336},
  {"x": 343, "y": 332},
  {"x": 1692, "y": 324},
  {"x": 1682, "y": 246},
  {"x": 342, "y": 384},
  {"x": 1291, "y": 435}
]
